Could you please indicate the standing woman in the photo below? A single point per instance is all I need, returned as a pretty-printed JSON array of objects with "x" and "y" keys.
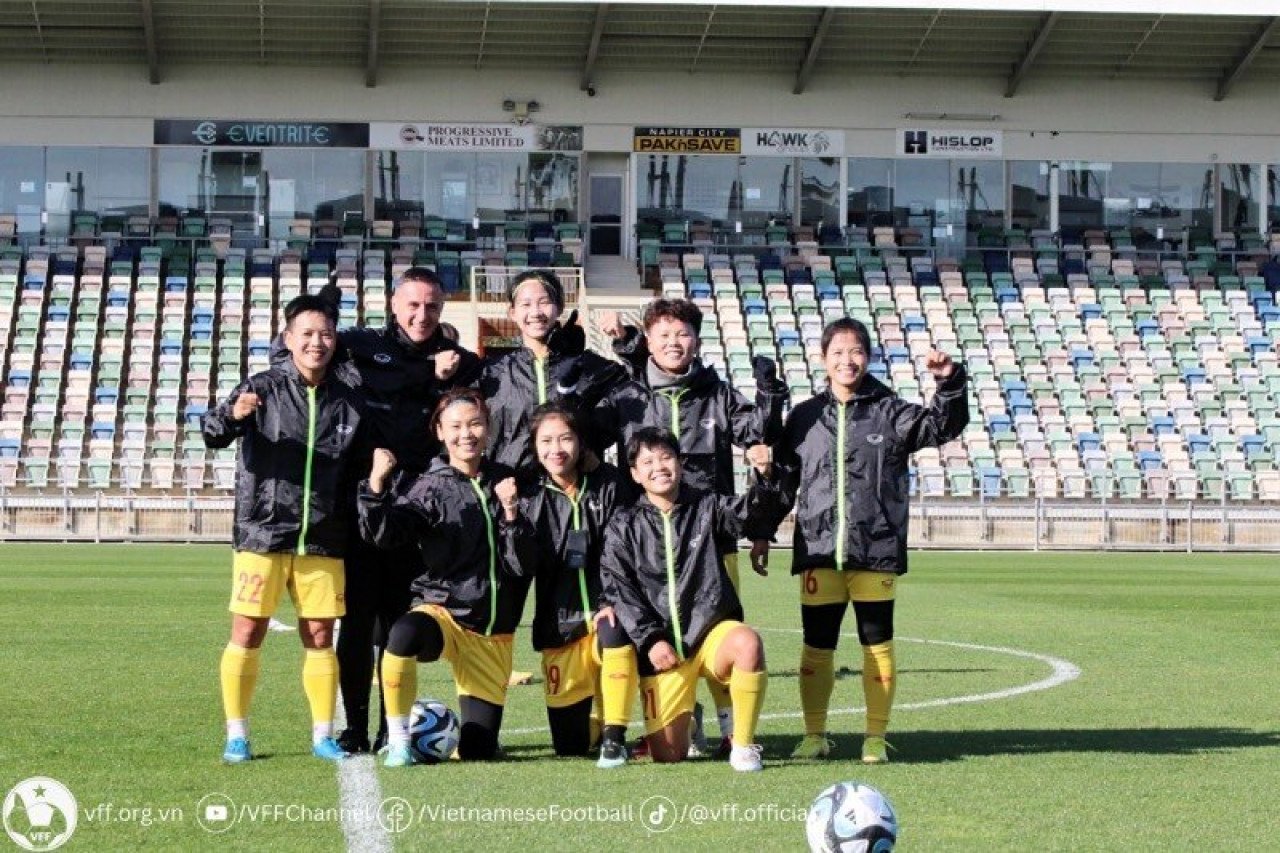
[
  {"x": 576, "y": 631},
  {"x": 552, "y": 361},
  {"x": 462, "y": 516},
  {"x": 843, "y": 463}
]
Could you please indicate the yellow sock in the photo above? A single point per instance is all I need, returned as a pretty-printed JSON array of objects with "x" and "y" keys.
[
  {"x": 320, "y": 683},
  {"x": 747, "y": 690},
  {"x": 878, "y": 682},
  {"x": 619, "y": 683},
  {"x": 817, "y": 679},
  {"x": 239, "y": 673},
  {"x": 399, "y": 683}
]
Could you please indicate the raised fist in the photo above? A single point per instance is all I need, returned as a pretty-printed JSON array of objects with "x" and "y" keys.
[
  {"x": 568, "y": 338},
  {"x": 447, "y": 362},
  {"x": 760, "y": 458},
  {"x": 610, "y": 322},
  {"x": 384, "y": 462},
  {"x": 764, "y": 370},
  {"x": 940, "y": 365},
  {"x": 506, "y": 492},
  {"x": 246, "y": 404}
]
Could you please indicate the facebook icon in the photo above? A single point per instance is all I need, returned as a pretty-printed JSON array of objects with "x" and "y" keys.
[{"x": 915, "y": 142}]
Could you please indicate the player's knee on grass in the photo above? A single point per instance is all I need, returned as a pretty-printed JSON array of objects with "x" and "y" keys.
[
  {"x": 248, "y": 632},
  {"x": 671, "y": 744},
  {"x": 416, "y": 635},
  {"x": 821, "y": 624},
  {"x": 875, "y": 621},
  {"x": 571, "y": 728},
  {"x": 481, "y": 721}
]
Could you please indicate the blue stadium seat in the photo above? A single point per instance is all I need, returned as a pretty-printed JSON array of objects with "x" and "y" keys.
[
  {"x": 193, "y": 413},
  {"x": 1150, "y": 460},
  {"x": 1162, "y": 425},
  {"x": 104, "y": 394},
  {"x": 1088, "y": 441},
  {"x": 102, "y": 430}
]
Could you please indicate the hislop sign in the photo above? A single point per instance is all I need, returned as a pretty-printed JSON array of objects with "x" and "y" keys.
[
  {"x": 950, "y": 142},
  {"x": 792, "y": 142},
  {"x": 237, "y": 133},
  {"x": 479, "y": 136}
]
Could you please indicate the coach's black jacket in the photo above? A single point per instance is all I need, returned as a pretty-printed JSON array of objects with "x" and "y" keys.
[
  {"x": 710, "y": 418},
  {"x": 566, "y": 597},
  {"x": 442, "y": 514},
  {"x": 517, "y": 383},
  {"x": 881, "y": 431},
  {"x": 398, "y": 380},
  {"x": 298, "y": 432},
  {"x": 645, "y": 549}
]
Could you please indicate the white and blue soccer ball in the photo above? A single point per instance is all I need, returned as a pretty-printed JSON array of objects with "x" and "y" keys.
[
  {"x": 850, "y": 817},
  {"x": 433, "y": 731}
]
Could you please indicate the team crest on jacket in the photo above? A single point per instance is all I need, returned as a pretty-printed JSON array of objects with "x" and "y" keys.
[
  {"x": 709, "y": 424},
  {"x": 875, "y": 438},
  {"x": 382, "y": 358}
]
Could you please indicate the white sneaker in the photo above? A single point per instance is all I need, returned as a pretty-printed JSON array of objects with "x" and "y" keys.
[
  {"x": 697, "y": 735},
  {"x": 746, "y": 759}
]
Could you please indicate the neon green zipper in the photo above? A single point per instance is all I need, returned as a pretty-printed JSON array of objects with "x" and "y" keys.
[
  {"x": 577, "y": 525},
  {"x": 493, "y": 557},
  {"x": 840, "y": 516},
  {"x": 673, "y": 397},
  {"x": 540, "y": 372},
  {"x": 672, "y": 599},
  {"x": 306, "y": 473}
]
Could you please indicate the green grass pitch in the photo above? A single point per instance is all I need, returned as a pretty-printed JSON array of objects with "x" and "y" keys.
[{"x": 1168, "y": 739}]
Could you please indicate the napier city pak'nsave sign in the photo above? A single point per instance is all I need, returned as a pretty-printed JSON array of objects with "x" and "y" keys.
[{"x": 949, "y": 142}]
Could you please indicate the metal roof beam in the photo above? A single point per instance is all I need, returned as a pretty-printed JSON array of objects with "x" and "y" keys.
[
  {"x": 811, "y": 52},
  {"x": 1047, "y": 23},
  {"x": 706, "y": 31},
  {"x": 593, "y": 48},
  {"x": 149, "y": 34},
  {"x": 375, "y": 42},
  {"x": 1246, "y": 59}
]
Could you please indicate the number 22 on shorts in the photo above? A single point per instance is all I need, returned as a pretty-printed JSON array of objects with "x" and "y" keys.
[{"x": 249, "y": 588}]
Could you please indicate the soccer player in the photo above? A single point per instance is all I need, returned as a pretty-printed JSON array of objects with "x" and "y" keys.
[
  {"x": 298, "y": 424},
  {"x": 576, "y": 632},
  {"x": 664, "y": 575},
  {"x": 843, "y": 463},
  {"x": 672, "y": 389},
  {"x": 462, "y": 517}
]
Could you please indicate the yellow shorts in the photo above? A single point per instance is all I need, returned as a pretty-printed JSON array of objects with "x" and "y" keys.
[
  {"x": 828, "y": 586},
  {"x": 731, "y": 569},
  {"x": 572, "y": 673},
  {"x": 481, "y": 665},
  {"x": 669, "y": 694},
  {"x": 316, "y": 584}
]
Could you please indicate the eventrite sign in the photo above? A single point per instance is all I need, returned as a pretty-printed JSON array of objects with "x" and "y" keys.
[
  {"x": 792, "y": 142},
  {"x": 950, "y": 142}
]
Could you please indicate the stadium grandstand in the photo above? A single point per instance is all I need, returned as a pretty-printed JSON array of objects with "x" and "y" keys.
[{"x": 1081, "y": 205}]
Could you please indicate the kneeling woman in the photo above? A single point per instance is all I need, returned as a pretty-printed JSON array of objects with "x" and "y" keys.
[
  {"x": 463, "y": 517},
  {"x": 574, "y": 629}
]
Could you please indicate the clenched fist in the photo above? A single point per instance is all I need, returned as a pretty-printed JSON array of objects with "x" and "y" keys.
[
  {"x": 940, "y": 365},
  {"x": 760, "y": 458},
  {"x": 663, "y": 656},
  {"x": 760, "y": 556},
  {"x": 506, "y": 492},
  {"x": 384, "y": 462},
  {"x": 447, "y": 362},
  {"x": 246, "y": 404},
  {"x": 610, "y": 322}
]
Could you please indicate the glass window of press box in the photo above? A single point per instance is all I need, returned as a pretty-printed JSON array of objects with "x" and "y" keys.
[
  {"x": 721, "y": 191},
  {"x": 494, "y": 187},
  {"x": 1144, "y": 197},
  {"x": 949, "y": 202},
  {"x": 59, "y": 182},
  {"x": 261, "y": 192}
]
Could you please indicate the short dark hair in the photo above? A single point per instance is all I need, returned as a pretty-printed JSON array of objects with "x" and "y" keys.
[
  {"x": 426, "y": 275},
  {"x": 546, "y": 412},
  {"x": 308, "y": 302},
  {"x": 849, "y": 325},
  {"x": 458, "y": 395},
  {"x": 550, "y": 283},
  {"x": 681, "y": 310},
  {"x": 650, "y": 438}
]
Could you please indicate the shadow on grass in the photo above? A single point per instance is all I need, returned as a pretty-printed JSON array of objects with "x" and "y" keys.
[{"x": 927, "y": 747}]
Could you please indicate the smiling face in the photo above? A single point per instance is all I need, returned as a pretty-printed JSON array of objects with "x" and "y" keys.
[
  {"x": 846, "y": 360},
  {"x": 310, "y": 339},
  {"x": 673, "y": 344},
  {"x": 533, "y": 310},
  {"x": 417, "y": 305},
  {"x": 557, "y": 448},
  {"x": 657, "y": 471},
  {"x": 464, "y": 432}
]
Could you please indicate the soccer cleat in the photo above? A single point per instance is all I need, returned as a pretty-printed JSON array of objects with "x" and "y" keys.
[
  {"x": 812, "y": 746},
  {"x": 397, "y": 755},
  {"x": 697, "y": 736},
  {"x": 725, "y": 747},
  {"x": 329, "y": 750},
  {"x": 236, "y": 751},
  {"x": 875, "y": 750},
  {"x": 613, "y": 753},
  {"x": 746, "y": 759},
  {"x": 353, "y": 742}
]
